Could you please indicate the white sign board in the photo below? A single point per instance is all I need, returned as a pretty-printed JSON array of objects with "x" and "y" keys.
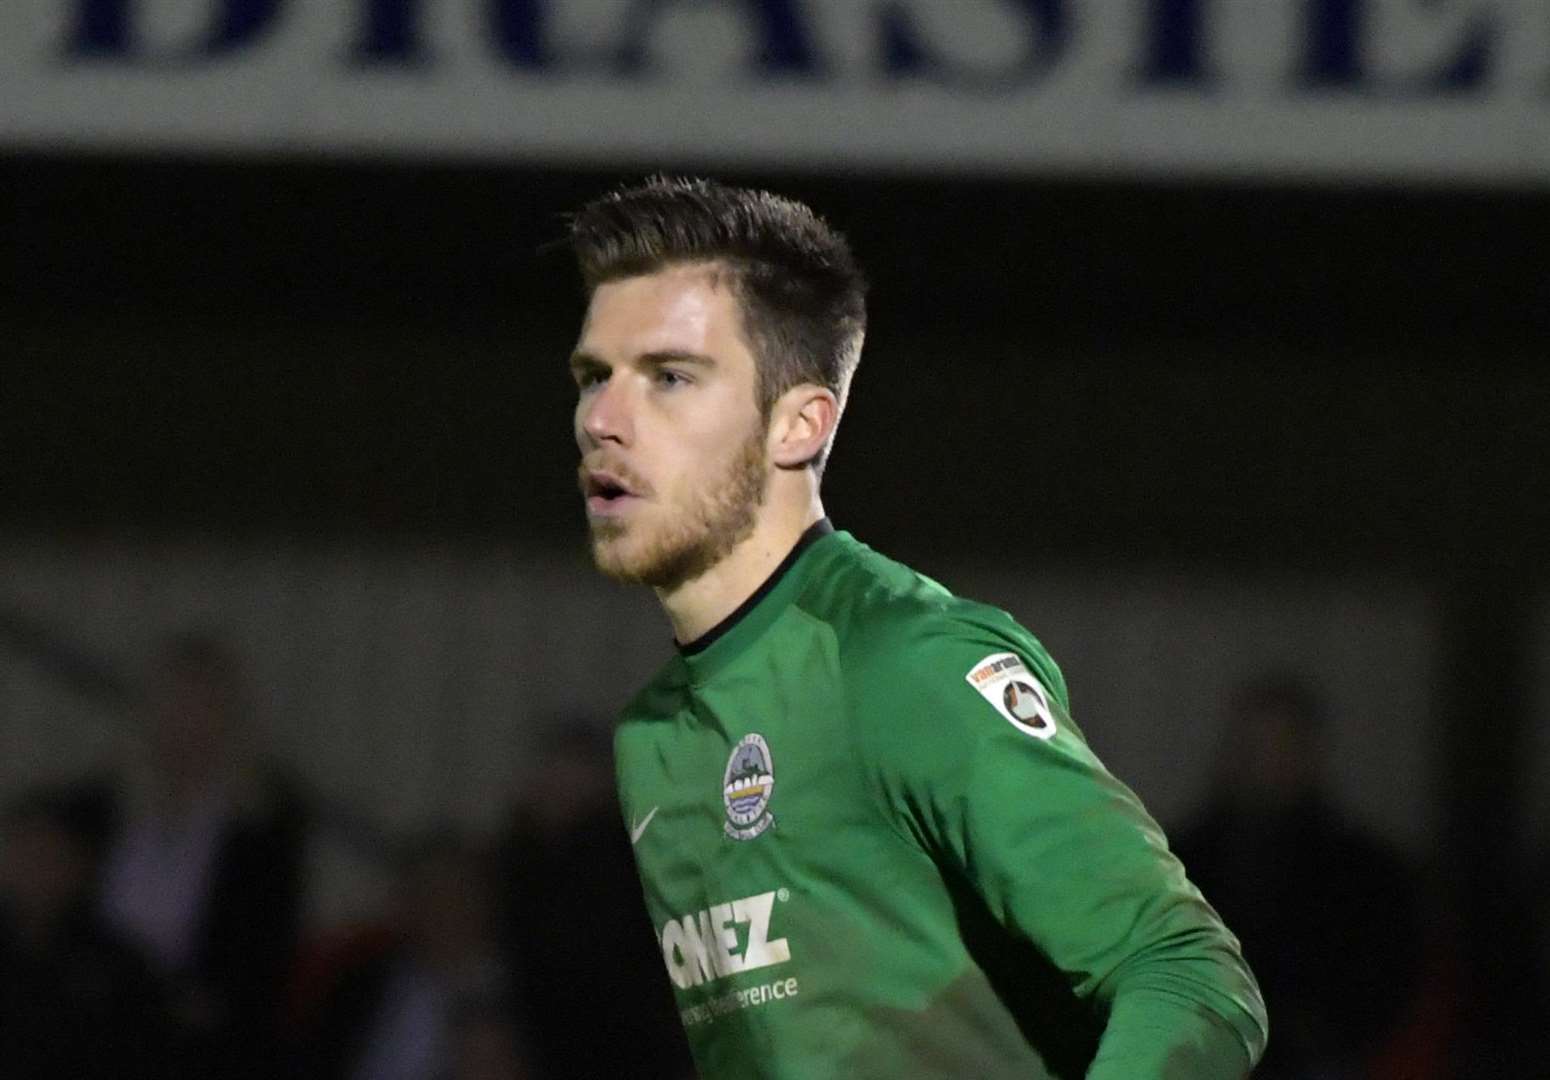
[{"x": 1452, "y": 90}]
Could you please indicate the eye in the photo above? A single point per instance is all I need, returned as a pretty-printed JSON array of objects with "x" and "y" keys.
[
  {"x": 587, "y": 378},
  {"x": 670, "y": 378}
]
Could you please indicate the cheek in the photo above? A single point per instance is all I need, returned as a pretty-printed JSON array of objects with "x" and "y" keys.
[
  {"x": 717, "y": 433},
  {"x": 700, "y": 457}
]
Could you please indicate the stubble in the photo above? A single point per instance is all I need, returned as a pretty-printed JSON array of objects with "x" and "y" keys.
[{"x": 722, "y": 515}]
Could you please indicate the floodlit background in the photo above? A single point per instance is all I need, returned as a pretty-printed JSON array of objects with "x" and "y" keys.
[{"x": 1208, "y": 339}]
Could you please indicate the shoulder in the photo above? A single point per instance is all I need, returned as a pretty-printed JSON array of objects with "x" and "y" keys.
[
  {"x": 897, "y": 630},
  {"x": 659, "y": 696},
  {"x": 641, "y": 719},
  {"x": 950, "y": 699}
]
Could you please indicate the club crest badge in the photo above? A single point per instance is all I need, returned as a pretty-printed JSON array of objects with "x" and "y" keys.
[
  {"x": 746, "y": 787},
  {"x": 1004, "y": 681}
]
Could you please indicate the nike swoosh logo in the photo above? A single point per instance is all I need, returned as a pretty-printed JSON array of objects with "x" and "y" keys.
[{"x": 636, "y": 831}]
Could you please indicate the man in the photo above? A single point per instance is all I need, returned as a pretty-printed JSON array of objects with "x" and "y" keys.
[
  {"x": 206, "y": 872},
  {"x": 872, "y": 841}
]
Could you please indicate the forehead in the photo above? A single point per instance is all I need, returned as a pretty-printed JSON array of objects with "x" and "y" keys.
[{"x": 688, "y": 308}]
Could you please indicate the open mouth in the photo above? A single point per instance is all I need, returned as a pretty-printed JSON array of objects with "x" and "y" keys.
[{"x": 606, "y": 493}]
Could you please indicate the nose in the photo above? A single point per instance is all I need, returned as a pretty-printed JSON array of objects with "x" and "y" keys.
[{"x": 603, "y": 415}]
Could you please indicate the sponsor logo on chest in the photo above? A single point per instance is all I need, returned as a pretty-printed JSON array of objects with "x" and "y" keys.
[{"x": 724, "y": 939}]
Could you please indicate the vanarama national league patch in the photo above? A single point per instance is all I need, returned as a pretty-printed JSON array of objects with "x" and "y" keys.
[{"x": 1003, "y": 680}]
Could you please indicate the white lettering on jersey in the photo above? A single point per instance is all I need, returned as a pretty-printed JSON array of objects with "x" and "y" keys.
[{"x": 702, "y": 947}]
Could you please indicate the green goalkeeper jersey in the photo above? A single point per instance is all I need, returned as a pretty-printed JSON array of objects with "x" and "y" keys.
[{"x": 874, "y": 844}]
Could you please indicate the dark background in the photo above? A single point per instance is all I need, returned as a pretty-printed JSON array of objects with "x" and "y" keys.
[{"x": 1277, "y": 375}]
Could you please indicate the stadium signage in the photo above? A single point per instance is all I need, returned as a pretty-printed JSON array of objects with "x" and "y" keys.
[{"x": 1365, "y": 87}]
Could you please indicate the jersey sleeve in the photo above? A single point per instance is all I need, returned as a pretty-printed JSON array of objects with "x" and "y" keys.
[{"x": 966, "y": 727}]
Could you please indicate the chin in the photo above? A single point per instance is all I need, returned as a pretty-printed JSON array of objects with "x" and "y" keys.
[
  {"x": 614, "y": 562},
  {"x": 621, "y": 556},
  {"x": 652, "y": 560}
]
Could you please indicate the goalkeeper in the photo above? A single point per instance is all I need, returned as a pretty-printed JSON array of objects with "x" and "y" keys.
[{"x": 871, "y": 838}]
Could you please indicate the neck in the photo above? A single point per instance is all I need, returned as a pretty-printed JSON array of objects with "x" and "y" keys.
[{"x": 697, "y": 606}]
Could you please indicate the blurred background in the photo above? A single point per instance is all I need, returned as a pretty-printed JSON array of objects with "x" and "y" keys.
[{"x": 1209, "y": 339}]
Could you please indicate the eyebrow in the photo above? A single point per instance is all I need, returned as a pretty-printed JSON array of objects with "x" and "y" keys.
[
  {"x": 676, "y": 356},
  {"x": 585, "y": 361}
]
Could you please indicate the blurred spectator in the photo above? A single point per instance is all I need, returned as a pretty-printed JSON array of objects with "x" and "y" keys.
[
  {"x": 428, "y": 1000},
  {"x": 593, "y": 985},
  {"x": 1328, "y": 916},
  {"x": 75, "y": 1001},
  {"x": 485, "y": 1047},
  {"x": 206, "y": 875}
]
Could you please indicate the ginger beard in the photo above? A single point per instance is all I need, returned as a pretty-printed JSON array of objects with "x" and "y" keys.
[{"x": 718, "y": 516}]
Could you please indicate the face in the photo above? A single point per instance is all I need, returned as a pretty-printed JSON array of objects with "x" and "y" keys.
[{"x": 673, "y": 457}]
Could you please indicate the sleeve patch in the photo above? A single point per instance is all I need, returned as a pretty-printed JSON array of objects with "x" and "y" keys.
[{"x": 1004, "y": 681}]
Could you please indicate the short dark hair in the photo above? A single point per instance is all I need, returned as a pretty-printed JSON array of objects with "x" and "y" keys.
[{"x": 800, "y": 290}]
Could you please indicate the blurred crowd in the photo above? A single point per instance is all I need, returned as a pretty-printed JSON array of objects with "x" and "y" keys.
[{"x": 152, "y": 920}]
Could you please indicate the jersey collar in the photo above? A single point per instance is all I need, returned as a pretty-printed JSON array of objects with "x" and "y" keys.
[{"x": 749, "y": 619}]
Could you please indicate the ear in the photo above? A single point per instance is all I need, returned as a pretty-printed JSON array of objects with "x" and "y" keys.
[{"x": 801, "y": 425}]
